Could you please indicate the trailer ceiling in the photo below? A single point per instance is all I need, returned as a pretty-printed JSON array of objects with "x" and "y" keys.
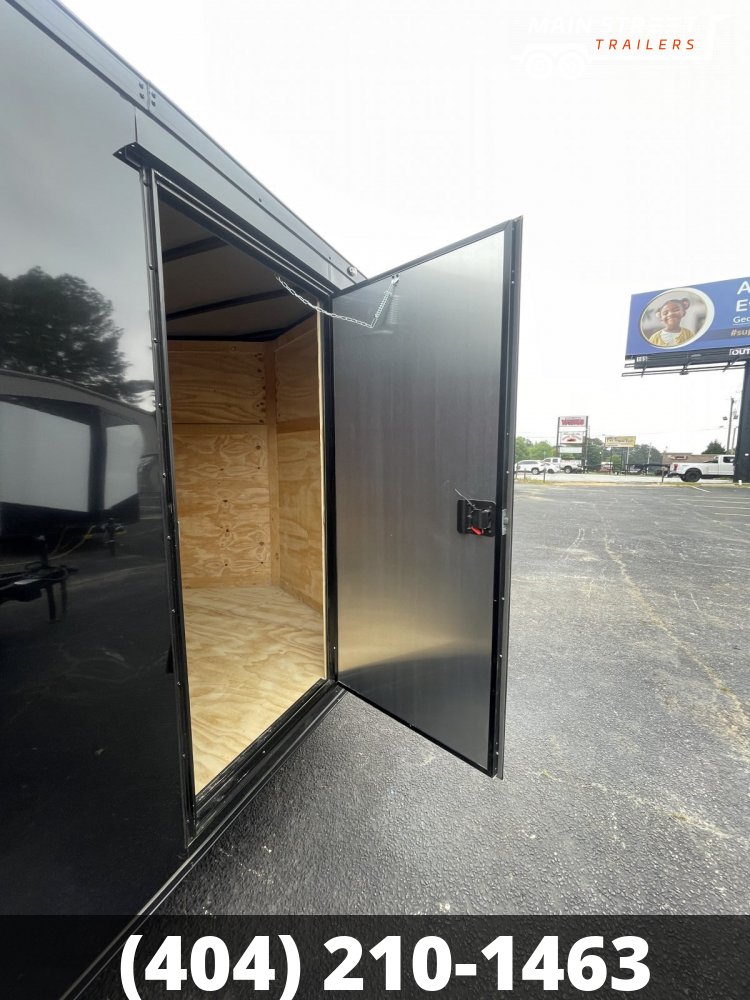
[{"x": 214, "y": 289}]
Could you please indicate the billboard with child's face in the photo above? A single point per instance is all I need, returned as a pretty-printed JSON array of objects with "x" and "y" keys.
[{"x": 694, "y": 324}]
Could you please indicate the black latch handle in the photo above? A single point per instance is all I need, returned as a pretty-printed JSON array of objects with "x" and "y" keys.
[{"x": 476, "y": 517}]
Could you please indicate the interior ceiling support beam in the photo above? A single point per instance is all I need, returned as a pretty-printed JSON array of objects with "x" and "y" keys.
[
  {"x": 243, "y": 300},
  {"x": 255, "y": 335},
  {"x": 191, "y": 249}
]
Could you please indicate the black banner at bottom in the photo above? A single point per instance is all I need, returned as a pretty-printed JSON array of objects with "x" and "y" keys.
[{"x": 283, "y": 958}]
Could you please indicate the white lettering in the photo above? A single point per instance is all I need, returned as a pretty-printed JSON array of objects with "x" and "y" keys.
[
  {"x": 742, "y": 305},
  {"x": 744, "y": 287},
  {"x": 560, "y": 26}
]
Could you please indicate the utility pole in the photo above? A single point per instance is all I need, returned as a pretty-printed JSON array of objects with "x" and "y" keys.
[
  {"x": 742, "y": 452},
  {"x": 731, "y": 417}
]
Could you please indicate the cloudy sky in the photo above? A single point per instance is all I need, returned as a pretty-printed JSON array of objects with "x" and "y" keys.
[{"x": 394, "y": 127}]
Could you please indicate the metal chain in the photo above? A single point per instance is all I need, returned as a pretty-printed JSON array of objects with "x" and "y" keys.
[{"x": 347, "y": 319}]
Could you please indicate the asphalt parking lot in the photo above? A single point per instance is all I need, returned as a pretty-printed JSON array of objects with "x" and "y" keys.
[
  {"x": 626, "y": 783},
  {"x": 638, "y": 594}
]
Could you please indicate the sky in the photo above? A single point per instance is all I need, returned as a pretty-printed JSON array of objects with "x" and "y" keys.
[{"x": 395, "y": 127}]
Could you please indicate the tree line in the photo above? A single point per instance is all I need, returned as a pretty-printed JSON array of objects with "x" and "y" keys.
[{"x": 597, "y": 452}]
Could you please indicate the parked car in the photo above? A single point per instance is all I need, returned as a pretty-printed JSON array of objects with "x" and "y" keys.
[{"x": 534, "y": 466}]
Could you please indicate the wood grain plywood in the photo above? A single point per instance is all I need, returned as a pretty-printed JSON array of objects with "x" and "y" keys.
[
  {"x": 220, "y": 383},
  {"x": 273, "y": 464},
  {"x": 222, "y": 488},
  {"x": 300, "y": 516},
  {"x": 252, "y": 652},
  {"x": 297, "y": 380}
]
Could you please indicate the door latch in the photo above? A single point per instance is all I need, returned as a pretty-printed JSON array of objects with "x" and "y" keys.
[{"x": 476, "y": 517}]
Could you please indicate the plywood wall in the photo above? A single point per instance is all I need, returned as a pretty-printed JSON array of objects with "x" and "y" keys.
[
  {"x": 298, "y": 447},
  {"x": 221, "y": 451},
  {"x": 247, "y": 449}
]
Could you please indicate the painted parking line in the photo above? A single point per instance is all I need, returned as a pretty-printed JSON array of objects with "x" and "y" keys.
[
  {"x": 725, "y": 503},
  {"x": 704, "y": 505}
]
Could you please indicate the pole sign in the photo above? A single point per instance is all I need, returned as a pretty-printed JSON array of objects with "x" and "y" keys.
[
  {"x": 697, "y": 324},
  {"x": 619, "y": 442},
  {"x": 571, "y": 433}
]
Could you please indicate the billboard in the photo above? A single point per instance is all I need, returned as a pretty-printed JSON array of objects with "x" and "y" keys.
[
  {"x": 694, "y": 324},
  {"x": 619, "y": 442}
]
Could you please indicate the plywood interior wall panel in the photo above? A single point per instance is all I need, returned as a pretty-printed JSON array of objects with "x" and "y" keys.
[
  {"x": 222, "y": 479},
  {"x": 273, "y": 465},
  {"x": 298, "y": 445},
  {"x": 217, "y": 382},
  {"x": 301, "y": 516},
  {"x": 297, "y": 382},
  {"x": 246, "y": 438},
  {"x": 221, "y": 456}
]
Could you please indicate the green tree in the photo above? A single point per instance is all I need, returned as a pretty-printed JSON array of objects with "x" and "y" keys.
[
  {"x": 526, "y": 448},
  {"x": 522, "y": 448},
  {"x": 594, "y": 453},
  {"x": 62, "y": 328},
  {"x": 643, "y": 453},
  {"x": 713, "y": 448}
]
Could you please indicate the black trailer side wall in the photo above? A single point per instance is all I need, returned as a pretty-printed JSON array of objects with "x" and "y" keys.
[{"x": 89, "y": 755}]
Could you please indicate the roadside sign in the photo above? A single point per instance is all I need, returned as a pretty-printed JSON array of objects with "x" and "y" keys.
[
  {"x": 571, "y": 431},
  {"x": 619, "y": 442},
  {"x": 696, "y": 324}
]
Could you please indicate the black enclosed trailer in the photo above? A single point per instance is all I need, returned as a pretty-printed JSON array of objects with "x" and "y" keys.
[{"x": 259, "y": 479}]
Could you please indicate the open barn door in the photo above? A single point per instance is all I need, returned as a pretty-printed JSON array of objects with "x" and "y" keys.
[{"x": 424, "y": 401}]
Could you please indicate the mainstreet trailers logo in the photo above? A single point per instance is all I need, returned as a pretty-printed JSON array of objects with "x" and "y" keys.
[
  {"x": 568, "y": 46},
  {"x": 645, "y": 44}
]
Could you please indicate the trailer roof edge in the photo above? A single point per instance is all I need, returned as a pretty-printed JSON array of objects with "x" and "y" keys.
[{"x": 77, "y": 38}]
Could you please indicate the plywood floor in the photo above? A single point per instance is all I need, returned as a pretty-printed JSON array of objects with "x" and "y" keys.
[{"x": 252, "y": 652}]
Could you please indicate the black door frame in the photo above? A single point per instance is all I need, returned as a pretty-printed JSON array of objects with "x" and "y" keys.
[{"x": 206, "y": 812}]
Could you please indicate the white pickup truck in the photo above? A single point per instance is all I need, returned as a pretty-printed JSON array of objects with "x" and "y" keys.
[
  {"x": 562, "y": 465},
  {"x": 720, "y": 466}
]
